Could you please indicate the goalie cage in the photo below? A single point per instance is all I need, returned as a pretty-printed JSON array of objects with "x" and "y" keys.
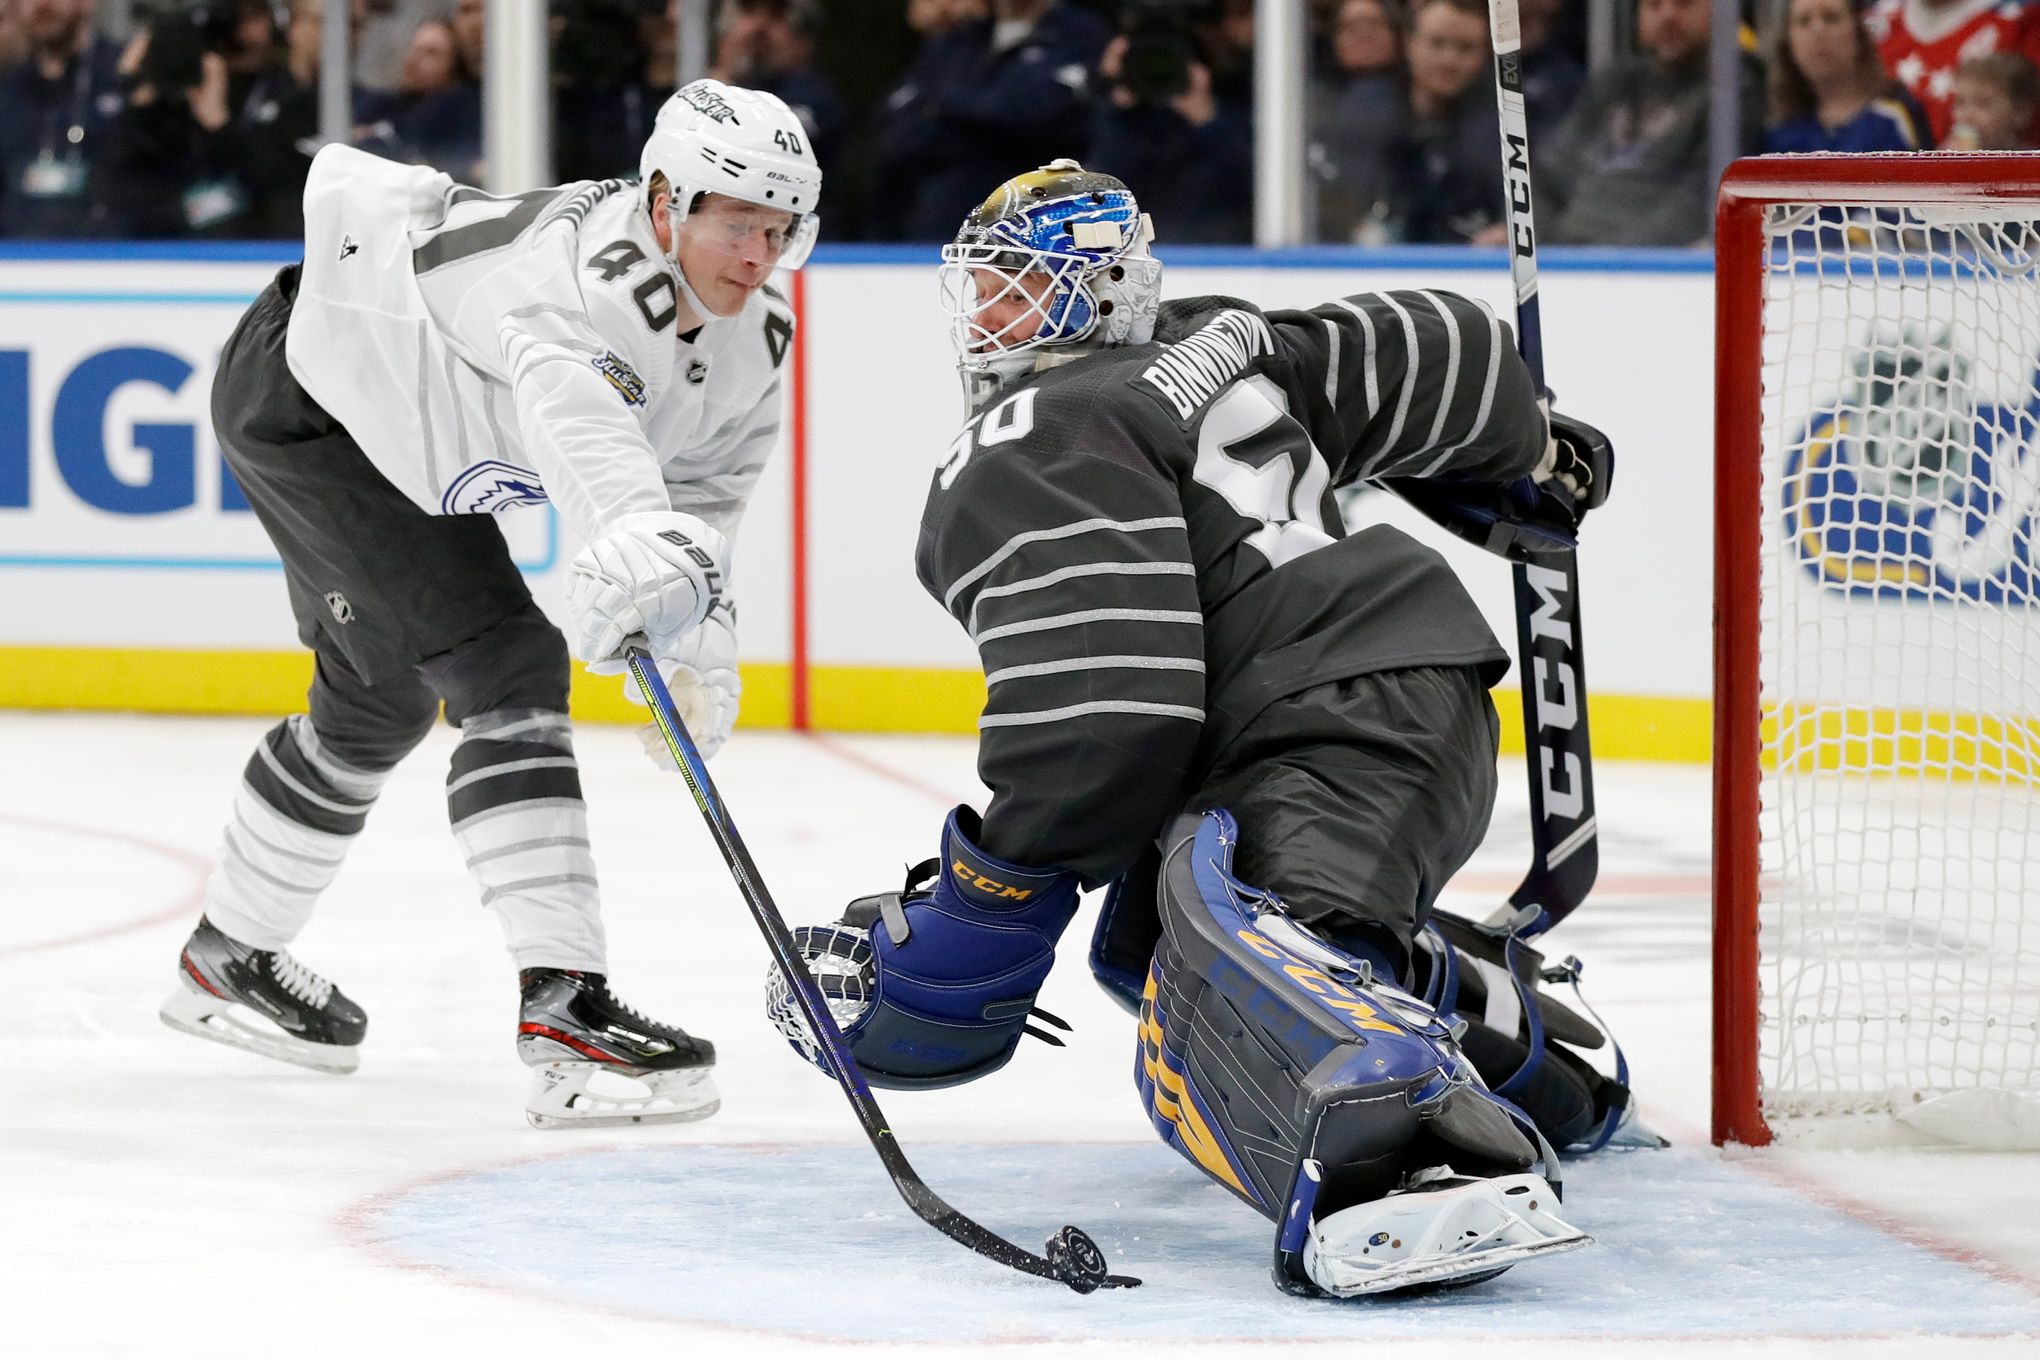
[{"x": 1877, "y": 649}]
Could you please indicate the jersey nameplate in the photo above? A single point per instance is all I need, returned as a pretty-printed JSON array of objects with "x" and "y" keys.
[{"x": 1190, "y": 372}]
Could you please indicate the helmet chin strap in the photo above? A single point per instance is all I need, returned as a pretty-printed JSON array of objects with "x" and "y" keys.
[
  {"x": 701, "y": 310},
  {"x": 690, "y": 297}
]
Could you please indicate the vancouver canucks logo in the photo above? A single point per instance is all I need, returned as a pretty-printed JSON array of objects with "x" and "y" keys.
[
  {"x": 492, "y": 487},
  {"x": 1919, "y": 480}
]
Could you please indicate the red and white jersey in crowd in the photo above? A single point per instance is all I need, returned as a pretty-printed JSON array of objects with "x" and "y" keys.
[{"x": 1922, "y": 42}]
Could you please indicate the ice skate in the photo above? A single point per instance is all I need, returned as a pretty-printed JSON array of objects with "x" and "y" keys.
[
  {"x": 1443, "y": 1231},
  {"x": 263, "y": 1001},
  {"x": 573, "y": 1032}
]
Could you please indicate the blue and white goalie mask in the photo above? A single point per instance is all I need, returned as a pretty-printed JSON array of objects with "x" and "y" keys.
[{"x": 1055, "y": 263}]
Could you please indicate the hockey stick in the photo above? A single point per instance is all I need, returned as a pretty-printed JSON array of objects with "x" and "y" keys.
[
  {"x": 1073, "y": 1258},
  {"x": 1565, "y": 853}
]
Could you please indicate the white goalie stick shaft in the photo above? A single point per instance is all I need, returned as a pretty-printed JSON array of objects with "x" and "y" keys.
[
  {"x": 1074, "y": 1259},
  {"x": 1565, "y": 853}
]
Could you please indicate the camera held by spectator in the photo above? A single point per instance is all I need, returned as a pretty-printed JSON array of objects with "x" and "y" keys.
[
  {"x": 1157, "y": 51},
  {"x": 179, "y": 37}
]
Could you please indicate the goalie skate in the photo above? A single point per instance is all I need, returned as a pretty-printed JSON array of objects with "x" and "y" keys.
[
  {"x": 263, "y": 1001},
  {"x": 1446, "y": 1230},
  {"x": 597, "y": 1063}
]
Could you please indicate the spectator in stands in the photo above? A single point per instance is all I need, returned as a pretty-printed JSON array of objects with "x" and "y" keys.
[
  {"x": 1346, "y": 158},
  {"x": 470, "y": 33},
  {"x": 55, "y": 107},
  {"x": 1161, "y": 122},
  {"x": 1630, "y": 164},
  {"x": 602, "y": 106},
  {"x": 13, "y": 35},
  {"x": 1829, "y": 90},
  {"x": 1424, "y": 165},
  {"x": 1552, "y": 75},
  {"x": 383, "y": 33},
  {"x": 1367, "y": 40},
  {"x": 1226, "y": 39},
  {"x": 769, "y": 45},
  {"x": 182, "y": 152},
  {"x": 1923, "y": 41},
  {"x": 933, "y": 18},
  {"x": 1012, "y": 89},
  {"x": 435, "y": 116},
  {"x": 1997, "y": 98}
]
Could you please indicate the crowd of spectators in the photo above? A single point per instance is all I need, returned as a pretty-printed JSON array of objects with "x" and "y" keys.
[{"x": 197, "y": 118}]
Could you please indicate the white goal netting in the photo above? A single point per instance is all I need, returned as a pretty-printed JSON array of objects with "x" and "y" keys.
[{"x": 1899, "y": 890}]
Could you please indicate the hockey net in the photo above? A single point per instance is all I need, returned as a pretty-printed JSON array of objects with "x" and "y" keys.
[{"x": 1877, "y": 763}]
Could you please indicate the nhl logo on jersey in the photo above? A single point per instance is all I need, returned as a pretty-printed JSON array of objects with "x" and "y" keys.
[
  {"x": 343, "y": 612},
  {"x": 697, "y": 371},
  {"x": 492, "y": 487},
  {"x": 623, "y": 377}
]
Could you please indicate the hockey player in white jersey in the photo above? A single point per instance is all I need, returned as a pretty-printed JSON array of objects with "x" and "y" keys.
[{"x": 443, "y": 355}]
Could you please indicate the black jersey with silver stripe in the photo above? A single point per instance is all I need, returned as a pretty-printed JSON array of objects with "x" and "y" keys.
[{"x": 1144, "y": 546}]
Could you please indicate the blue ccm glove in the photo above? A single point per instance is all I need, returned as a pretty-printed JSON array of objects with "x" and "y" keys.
[{"x": 949, "y": 969}]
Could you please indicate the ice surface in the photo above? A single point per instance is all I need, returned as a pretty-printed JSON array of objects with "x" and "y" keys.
[{"x": 163, "y": 1197}]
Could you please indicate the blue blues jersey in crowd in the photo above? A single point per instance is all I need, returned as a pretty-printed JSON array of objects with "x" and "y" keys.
[{"x": 1890, "y": 123}]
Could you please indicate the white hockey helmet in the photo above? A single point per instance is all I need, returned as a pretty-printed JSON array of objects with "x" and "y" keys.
[{"x": 712, "y": 138}]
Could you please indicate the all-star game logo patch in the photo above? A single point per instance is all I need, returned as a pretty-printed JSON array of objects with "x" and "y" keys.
[{"x": 621, "y": 376}]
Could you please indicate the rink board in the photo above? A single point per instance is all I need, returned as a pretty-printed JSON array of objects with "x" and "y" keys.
[
  {"x": 810, "y": 1241},
  {"x": 120, "y": 538}
]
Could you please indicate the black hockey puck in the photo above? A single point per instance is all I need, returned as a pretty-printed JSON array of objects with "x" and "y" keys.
[{"x": 1077, "y": 1261}]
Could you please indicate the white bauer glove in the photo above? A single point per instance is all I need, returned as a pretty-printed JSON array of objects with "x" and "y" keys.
[
  {"x": 701, "y": 675},
  {"x": 655, "y": 573}
]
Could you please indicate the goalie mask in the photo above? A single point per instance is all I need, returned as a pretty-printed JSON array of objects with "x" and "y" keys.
[
  {"x": 744, "y": 185},
  {"x": 1054, "y": 260}
]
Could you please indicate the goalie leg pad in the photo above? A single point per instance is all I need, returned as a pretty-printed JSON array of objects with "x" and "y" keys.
[
  {"x": 1528, "y": 1045},
  {"x": 1259, "y": 1054}
]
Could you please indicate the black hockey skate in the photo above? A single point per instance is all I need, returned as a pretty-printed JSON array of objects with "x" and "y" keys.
[
  {"x": 310, "y": 1022},
  {"x": 572, "y": 1030}
]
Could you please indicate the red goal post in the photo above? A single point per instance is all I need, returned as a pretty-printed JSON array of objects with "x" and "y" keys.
[{"x": 1832, "y": 282}]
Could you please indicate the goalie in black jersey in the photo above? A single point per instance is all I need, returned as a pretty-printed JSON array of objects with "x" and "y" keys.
[{"x": 1273, "y": 739}]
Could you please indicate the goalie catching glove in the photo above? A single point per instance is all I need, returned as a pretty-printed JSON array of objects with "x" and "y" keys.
[
  {"x": 934, "y": 986},
  {"x": 701, "y": 675},
  {"x": 655, "y": 574}
]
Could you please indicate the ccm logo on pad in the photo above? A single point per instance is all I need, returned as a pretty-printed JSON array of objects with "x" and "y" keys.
[{"x": 990, "y": 886}]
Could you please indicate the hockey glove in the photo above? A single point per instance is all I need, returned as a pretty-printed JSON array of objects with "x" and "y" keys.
[
  {"x": 1532, "y": 516},
  {"x": 657, "y": 573},
  {"x": 702, "y": 676},
  {"x": 1578, "y": 466},
  {"x": 947, "y": 971}
]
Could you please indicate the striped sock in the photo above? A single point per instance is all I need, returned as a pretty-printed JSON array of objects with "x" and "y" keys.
[
  {"x": 295, "y": 814},
  {"x": 514, "y": 797}
]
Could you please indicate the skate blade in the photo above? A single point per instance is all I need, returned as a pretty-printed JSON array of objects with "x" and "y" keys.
[
  {"x": 193, "y": 1012},
  {"x": 560, "y": 1098},
  {"x": 1456, "y": 1270}
]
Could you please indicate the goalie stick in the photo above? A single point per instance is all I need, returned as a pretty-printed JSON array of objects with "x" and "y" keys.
[
  {"x": 1072, "y": 1257},
  {"x": 1565, "y": 852}
]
